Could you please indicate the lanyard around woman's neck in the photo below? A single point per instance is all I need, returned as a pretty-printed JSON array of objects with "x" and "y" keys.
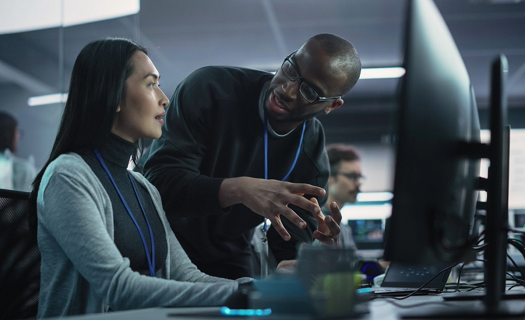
[
  {"x": 151, "y": 260},
  {"x": 266, "y": 157}
]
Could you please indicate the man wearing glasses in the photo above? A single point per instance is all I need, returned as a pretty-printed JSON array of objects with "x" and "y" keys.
[
  {"x": 243, "y": 146},
  {"x": 345, "y": 174},
  {"x": 344, "y": 183}
]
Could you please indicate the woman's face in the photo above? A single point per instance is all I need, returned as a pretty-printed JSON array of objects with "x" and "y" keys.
[{"x": 141, "y": 111}]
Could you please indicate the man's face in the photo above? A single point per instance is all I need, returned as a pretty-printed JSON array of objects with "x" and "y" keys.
[
  {"x": 285, "y": 106},
  {"x": 342, "y": 188}
]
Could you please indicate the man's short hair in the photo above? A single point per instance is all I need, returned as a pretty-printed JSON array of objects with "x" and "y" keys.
[{"x": 340, "y": 152}]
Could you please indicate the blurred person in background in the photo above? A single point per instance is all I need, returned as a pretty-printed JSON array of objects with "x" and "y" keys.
[
  {"x": 15, "y": 173},
  {"x": 344, "y": 183}
]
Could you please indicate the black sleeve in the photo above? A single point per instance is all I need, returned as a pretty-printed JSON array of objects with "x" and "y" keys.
[{"x": 172, "y": 162}]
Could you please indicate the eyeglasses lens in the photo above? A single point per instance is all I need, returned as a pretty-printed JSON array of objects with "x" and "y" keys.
[
  {"x": 308, "y": 93},
  {"x": 292, "y": 74},
  {"x": 289, "y": 71},
  {"x": 353, "y": 176}
]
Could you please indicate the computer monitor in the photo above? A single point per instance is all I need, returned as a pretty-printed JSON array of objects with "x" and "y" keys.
[
  {"x": 435, "y": 184},
  {"x": 367, "y": 233},
  {"x": 438, "y": 155}
]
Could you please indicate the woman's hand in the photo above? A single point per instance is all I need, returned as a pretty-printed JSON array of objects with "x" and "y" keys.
[{"x": 328, "y": 230}]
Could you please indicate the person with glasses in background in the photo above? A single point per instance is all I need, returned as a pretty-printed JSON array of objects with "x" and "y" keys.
[
  {"x": 242, "y": 148},
  {"x": 344, "y": 183}
]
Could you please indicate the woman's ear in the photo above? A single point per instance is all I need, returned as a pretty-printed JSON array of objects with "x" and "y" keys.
[{"x": 118, "y": 108}]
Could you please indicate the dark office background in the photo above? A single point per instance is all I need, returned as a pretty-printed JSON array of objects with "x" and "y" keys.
[{"x": 184, "y": 35}]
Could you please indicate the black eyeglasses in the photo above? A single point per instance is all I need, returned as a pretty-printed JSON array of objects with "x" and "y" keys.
[
  {"x": 290, "y": 71},
  {"x": 353, "y": 176}
]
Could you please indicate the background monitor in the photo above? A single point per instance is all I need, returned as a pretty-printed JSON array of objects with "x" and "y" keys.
[
  {"x": 435, "y": 184},
  {"x": 367, "y": 233}
]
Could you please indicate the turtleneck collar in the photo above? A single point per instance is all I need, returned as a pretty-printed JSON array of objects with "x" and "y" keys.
[{"x": 117, "y": 150}]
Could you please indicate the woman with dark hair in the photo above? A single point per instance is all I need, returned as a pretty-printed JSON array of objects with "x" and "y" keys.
[
  {"x": 103, "y": 235},
  {"x": 15, "y": 173}
]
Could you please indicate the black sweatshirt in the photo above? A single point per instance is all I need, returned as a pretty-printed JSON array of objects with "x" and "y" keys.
[
  {"x": 116, "y": 153},
  {"x": 214, "y": 131}
]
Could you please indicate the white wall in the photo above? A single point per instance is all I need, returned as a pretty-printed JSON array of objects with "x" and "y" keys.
[{"x": 377, "y": 161}]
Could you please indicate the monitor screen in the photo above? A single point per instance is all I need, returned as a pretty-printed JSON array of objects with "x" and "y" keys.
[
  {"x": 519, "y": 219},
  {"x": 435, "y": 185},
  {"x": 367, "y": 233}
]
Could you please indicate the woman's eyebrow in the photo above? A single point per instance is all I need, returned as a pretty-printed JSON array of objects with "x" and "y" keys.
[{"x": 157, "y": 77}]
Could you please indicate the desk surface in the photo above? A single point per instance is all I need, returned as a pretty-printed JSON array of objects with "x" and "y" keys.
[{"x": 383, "y": 309}]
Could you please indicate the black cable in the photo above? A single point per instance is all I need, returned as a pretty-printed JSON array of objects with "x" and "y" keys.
[
  {"x": 521, "y": 231},
  {"x": 441, "y": 303},
  {"x": 481, "y": 234},
  {"x": 480, "y": 240},
  {"x": 518, "y": 240},
  {"x": 515, "y": 265},
  {"x": 512, "y": 277},
  {"x": 518, "y": 245},
  {"x": 477, "y": 284},
  {"x": 480, "y": 285},
  {"x": 480, "y": 248},
  {"x": 453, "y": 287},
  {"x": 519, "y": 282},
  {"x": 461, "y": 284},
  {"x": 513, "y": 286},
  {"x": 514, "y": 242},
  {"x": 459, "y": 276}
]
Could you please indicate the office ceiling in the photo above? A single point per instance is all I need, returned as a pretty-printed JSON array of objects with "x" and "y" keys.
[{"x": 184, "y": 35}]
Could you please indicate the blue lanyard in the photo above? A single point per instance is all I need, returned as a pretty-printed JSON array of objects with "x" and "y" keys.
[
  {"x": 266, "y": 157},
  {"x": 151, "y": 261}
]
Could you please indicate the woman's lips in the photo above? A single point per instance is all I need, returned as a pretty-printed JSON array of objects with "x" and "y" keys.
[{"x": 160, "y": 118}]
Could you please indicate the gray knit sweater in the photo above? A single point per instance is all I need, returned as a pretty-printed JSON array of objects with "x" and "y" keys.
[{"x": 82, "y": 269}]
